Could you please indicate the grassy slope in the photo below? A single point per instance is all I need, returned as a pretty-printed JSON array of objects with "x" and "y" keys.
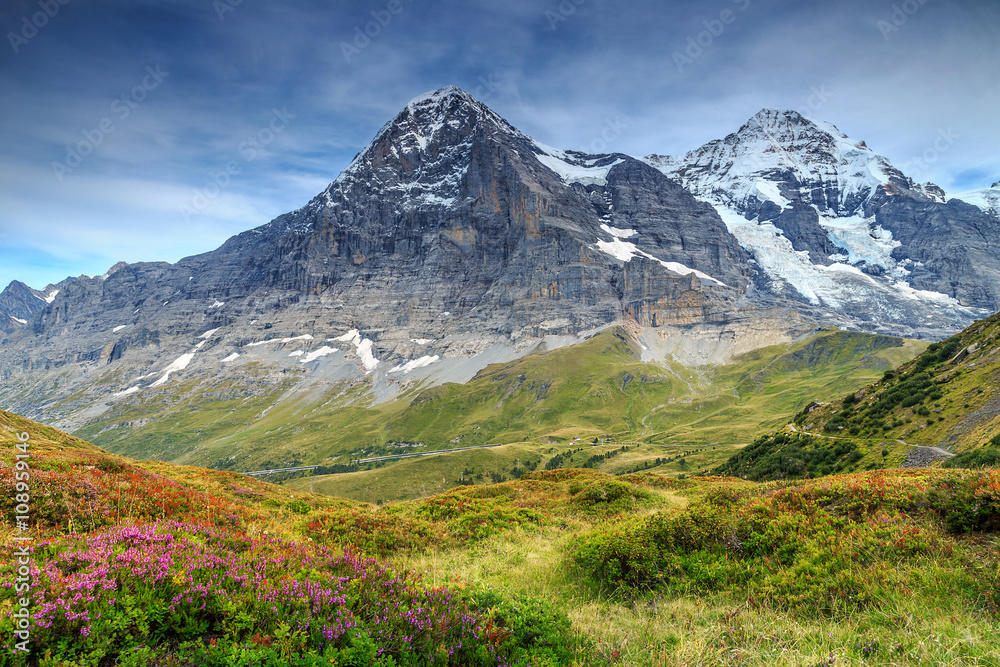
[
  {"x": 940, "y": 399},
  {"x": 594, "y": 388},
  {"x": 413, "y": 478},
  {"x": 919, "y": 594}
]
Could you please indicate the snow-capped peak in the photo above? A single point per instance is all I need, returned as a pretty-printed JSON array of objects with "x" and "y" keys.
[
  {"x": 988, "y": 199},
  {"x": 782, "y": 156},
  {"x": 440, "y": 95},
  {"x": 423, "y": 153}
]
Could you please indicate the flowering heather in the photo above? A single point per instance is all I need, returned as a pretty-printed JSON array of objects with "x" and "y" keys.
[{"x": 102, "y": 594}]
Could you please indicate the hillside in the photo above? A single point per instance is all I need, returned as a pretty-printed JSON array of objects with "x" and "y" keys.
[
  {"x": 158, "y": 564},
  {"x": 595, "y": 388},
  {"x": 947, "y": 400},
  {"x": 454, "y": 242}
]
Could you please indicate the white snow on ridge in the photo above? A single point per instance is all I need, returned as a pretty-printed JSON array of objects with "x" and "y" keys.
[
  {"x": 832, "y": 285},
  {"x": 571, "y": 172},
  {"x": 179, "y": 364},
  {"x": 208, "y": 333},
  {"x": 297, "y": 353},
  {"x": 18, "y": 319},
  {"x": 231, "y": 357},
  {"x": 625, "y": 251},
  {"x": 217, "y": 304},
  {"x": 316, "y": 354},
  {"x": 413, "y": 365},
  {"x": 49, "y": 298},
  {"x": 742, "y": 167},
  {"x": 118, "y": 328},
  {"x": 125, "y": 392},
  {"x": 988, "y": 199},
  {"x": 421, "y": 341}
]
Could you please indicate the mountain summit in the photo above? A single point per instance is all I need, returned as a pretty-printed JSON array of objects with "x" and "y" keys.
[
  {"x": 453, "y": 240},
  {"x": 822, "y": 165}
]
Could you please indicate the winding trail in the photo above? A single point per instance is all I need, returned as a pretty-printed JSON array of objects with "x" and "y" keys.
[{"x": 919, "y": 456}]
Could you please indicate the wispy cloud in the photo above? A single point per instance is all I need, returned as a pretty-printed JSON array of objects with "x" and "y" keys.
[{"x": 562, "y": 81}]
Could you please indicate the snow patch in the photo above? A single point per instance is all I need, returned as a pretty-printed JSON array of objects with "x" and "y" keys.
[
  {"x": 125, "y": 392},
  {"x": 421, "y": 341},
  {"x": 50, "y": 297},
  {"x": 353, "y": 336},
  {"x": 771, "y": 192},
  {"x": 620, "y": 250},
  {"x": 619, "y": 233},
  {"x": 279, "y": 340},
  {"x": 232, "y": 357},
  {"x": 296, "y": 353},
  {"x": 208, "y": 333},
  {"x": 415, "y": 364},
  {"x": 179, "y": 364},
  {"x": 118, "y": 328},
  {"x": 18, "y": 319},
  {"x": 573, "y": 170},
  {"x": 316, "y": 354},
  {"x": 625, "y": 251},
  {"x": 217, "y": 304},
  {"x": 366, "y": 355},
  {"x": 362, "y": 348}
]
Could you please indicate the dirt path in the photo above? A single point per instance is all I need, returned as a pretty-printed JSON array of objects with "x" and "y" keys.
[{"x": 919, "y": 456}]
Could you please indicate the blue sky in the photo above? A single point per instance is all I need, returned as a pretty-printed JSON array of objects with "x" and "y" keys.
[{"x": 145, "y": 130}]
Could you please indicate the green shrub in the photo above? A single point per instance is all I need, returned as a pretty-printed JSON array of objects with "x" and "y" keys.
[{"x": 536, "y": 632}]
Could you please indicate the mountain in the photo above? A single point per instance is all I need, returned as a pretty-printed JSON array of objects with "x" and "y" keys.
[
  {"x": 835, "y": 224},
  {"x": 454, "y": 241},
  {"x": 18, "y": 303}
]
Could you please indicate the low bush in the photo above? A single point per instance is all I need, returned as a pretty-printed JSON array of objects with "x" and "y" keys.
[{"x": 831, "y": 546}]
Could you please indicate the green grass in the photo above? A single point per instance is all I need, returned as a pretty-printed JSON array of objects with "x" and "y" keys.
[
  {"x": 570, "y": 567},
  {"x": 599, "y": 387},
  {"x": 412, "y": 478}
]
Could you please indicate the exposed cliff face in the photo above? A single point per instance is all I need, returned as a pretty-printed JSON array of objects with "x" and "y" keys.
[
  {"x": 453, "y": 240},
  {"x": 452, "y": 234}
]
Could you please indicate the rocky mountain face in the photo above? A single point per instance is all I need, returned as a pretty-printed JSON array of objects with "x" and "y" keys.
[
  {"x": 834, "y": 224},
  {"x": 18, "y": 303},
  {"x": 453, "y": 240}
]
